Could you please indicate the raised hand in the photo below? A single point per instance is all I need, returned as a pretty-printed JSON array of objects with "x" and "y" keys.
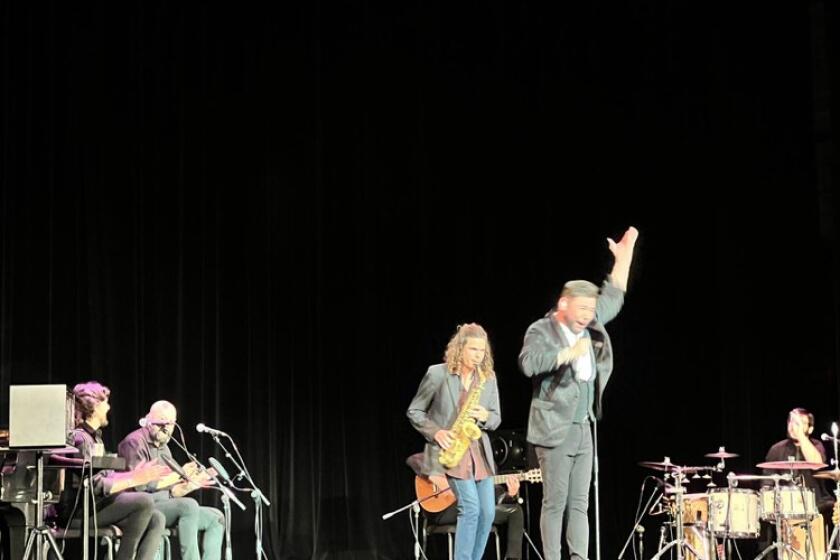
[
  {"x": 623, "y": 253},
  {"x": 624, "y": 248}
]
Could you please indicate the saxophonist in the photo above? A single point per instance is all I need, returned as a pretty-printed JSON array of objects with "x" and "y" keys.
[{"x": 455, "y": 398}]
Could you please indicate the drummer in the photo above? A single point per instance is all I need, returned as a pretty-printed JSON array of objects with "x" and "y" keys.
[{"x": 802, "y": 447}]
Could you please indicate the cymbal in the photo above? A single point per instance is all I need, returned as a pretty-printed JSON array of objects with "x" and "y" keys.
[
  {"x": 665, "y": 466},
  {"x": 791, "y": 465},
  {"x": 722, "y": 454},
  {"x": 668, "y": 466},
  {"x": 829, "y": 475}
]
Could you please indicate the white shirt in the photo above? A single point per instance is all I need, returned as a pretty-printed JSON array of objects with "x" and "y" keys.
[{"x": 582, "y": 365}]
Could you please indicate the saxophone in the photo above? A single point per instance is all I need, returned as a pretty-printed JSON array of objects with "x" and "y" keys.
[{"x": 464, "y": 429}]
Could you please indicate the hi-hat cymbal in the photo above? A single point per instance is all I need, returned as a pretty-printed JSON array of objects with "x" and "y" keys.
[
  {"x": 721, "y": 454},
  {"x": 829, "y": 475},
  {"x": 791, "y": 465}
]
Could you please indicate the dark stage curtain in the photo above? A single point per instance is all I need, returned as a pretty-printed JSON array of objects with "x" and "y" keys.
[{"x": 276, "y": 216}]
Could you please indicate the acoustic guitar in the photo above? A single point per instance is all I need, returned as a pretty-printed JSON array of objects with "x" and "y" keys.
[{"x": 424, "y": 488}]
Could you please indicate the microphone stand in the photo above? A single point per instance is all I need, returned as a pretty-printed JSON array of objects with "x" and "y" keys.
[
  {"x": 595, "y": 472},
  {"x": 391, "y": 514},
  {"x": 227, "y": 494},
  {"x": 257, "y": 494},
  {"x": 415, "y": 518},
  {"x": 648, "y": 506}
]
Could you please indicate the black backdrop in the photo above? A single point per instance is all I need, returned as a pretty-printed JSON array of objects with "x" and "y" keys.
[{"x": 275, "y": 217}]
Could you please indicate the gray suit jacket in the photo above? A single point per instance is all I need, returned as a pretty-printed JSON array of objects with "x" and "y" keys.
[
  {"x": 555, "y": 394},
  {"x": 435, "y": 407}
]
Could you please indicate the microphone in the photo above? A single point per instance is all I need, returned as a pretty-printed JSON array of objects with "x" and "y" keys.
[
  {"x": 222, "y": 472},
  {"x": 201, "y": 428},
  {"x": 834, "y": 429},
  {"x": 220, "y": 469},
  {"x": 172, "y": 464}
]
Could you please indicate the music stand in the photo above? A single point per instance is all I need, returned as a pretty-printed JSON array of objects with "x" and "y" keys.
[
  {"x": 40, "y": 417},
  {"x": 41, "y": 531}
]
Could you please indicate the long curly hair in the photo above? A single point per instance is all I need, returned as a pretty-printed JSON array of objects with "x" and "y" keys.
[
  {"x": 455, "y": 348},
  {"x": 87, "y": 396}
]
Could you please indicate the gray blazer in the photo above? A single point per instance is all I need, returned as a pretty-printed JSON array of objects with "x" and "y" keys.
[
  {"x": 435, "y": 407},
  {"x": 555, "y": 394}
]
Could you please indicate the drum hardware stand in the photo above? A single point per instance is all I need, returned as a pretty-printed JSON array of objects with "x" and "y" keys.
[
  {"x": 727, "y": 521},
  {"x": 710, "y": 534},
  {"x": 809, "y": 540},
  {"x": 781, "y": 543},
  {"x": 834, "y": 542},
  {"x": 833, "y": 546},
  {"x": 679, "y": 474},
  {"x": 679, "y": 542}
]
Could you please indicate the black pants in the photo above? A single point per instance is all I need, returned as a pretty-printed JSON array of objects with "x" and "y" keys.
[
  {"x": 141, "y": 524},
  {"x": 512, "y": 515}
]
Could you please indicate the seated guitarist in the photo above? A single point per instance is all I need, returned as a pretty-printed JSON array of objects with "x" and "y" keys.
[
  {"x": 151, "y": 442},
  {"x": 439, "y": 401},
  {"x": 134, "y": 513},
  {"x": 508, "y": 510}
]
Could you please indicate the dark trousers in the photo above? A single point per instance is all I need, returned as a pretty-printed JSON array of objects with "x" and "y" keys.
[
  {"x": 567, "y": 474},
  {"x": 190, "y": 519},
  {"x": 141, "y": 524},
  {"x": 510, "y": 515}
]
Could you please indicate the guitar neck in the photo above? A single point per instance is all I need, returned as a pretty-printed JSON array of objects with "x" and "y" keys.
[{"x": 502, "y": 478}]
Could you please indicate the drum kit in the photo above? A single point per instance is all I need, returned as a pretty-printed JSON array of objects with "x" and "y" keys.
[{"x": 703, "y": 525}]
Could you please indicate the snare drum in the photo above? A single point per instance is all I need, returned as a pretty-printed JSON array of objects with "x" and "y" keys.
[
  {"x": 794, "y": 503},
  {"x": 740, "y": 506}
]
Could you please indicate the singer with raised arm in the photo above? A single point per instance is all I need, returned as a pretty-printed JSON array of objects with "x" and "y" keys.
[
  {"x": 456, "y": 404},
  {"x": 568, "y": 356},
  {"x": 142, "y": 526},
  {"x": 150, "y": 442}
]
